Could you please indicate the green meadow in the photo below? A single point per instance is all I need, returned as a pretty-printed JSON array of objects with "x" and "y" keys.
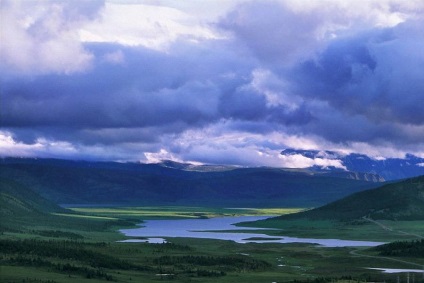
[
  {"x": 82, "y": 247},
  {"x": 179, "y": 212}
]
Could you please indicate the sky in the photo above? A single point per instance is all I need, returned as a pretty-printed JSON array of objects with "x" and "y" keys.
[{"x": 211, "y": 81}]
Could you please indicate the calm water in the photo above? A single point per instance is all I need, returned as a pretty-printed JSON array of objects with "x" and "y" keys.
[
  {"x": 395, "y": 270},
  {"x": 210, "y": 229}
]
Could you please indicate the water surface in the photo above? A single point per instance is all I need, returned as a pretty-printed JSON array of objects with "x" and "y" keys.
[
  {"x": 397, "y": 270},
  {"x": 212, "y": 229}
]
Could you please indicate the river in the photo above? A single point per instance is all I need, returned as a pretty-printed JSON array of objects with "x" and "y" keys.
[{"x": 155, "y": 231}]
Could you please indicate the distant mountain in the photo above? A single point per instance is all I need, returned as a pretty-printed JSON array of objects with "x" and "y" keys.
[
  {"x": 369, "y": 177},
  {"x": 170, "y": 183},
  {"x": 397, "y": 201},
  {"x": 198, "y": 168},
  {"x": 389, "y": 169}
]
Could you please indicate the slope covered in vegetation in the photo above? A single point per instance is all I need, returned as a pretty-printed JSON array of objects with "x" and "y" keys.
[
  {"x": 79, "y": 182},
  {"x": 397, "y": 201}
]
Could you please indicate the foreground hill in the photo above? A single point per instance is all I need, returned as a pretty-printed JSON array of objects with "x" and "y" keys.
[
  {"x": 20, "y": 206},
  {"x": 18, "y": 200},
  {"x": 80, "y": 182},
  {"x": 397, "y": 201}
]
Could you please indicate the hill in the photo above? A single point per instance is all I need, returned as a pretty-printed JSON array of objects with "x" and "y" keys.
[
  {"x": 18, "y": 200},
  {"x": 397, "y": 201},
  {"x": 83, "y": 182},
  {"x": 21, "y": 207}
]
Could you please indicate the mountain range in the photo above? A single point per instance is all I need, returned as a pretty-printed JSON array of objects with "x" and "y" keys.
[
  {"x": 35, "y": 186},
  {"x": 388, "y": 168},
  {"x": 171, "y": 183}
]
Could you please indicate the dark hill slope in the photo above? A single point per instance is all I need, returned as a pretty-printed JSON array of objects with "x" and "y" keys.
[
  {"x": 24, "y": 211},
  {"x": 17, "y": 200},
  {"x": 402, "y": 201},
  {"x": 21, "y": 207},
  {"x": 80, "y": 182}
]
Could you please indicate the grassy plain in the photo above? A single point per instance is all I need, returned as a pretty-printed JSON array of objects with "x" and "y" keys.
[
  {"x": 168, "y": 212},
  {"x": 82, "y": 247}
]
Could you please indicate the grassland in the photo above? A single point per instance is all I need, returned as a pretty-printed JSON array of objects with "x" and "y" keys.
[
  {"x": 81, "y": 247},
  {"x": 178, "y": 212}
]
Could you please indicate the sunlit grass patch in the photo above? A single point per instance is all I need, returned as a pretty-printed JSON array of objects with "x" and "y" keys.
[
  {"x": 275, "y": 211},
  {"x": 86, "y": 216},
  {"x": 180, "y": 211}
]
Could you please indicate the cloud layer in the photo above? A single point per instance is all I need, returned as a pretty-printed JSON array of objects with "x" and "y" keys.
[{"x": 236, "y": 84}]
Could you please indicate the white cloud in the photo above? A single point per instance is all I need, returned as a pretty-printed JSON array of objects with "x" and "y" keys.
[
  {"x": 154, "y": 27},
  {"x": 288, "y": 31},
  {"x": 217, "y": 144},
  {"x": 48, "y": 36},
  {"x": 162, "y": 154},
  {"x": 361, "y": 13},
  {"x": 41, "y": 147},
  {"x": 274, "y": 89},
  {"x": 300, "y": 161},
  {"x": 37, "y": 37},
  {"x": 47, "y": 148}
]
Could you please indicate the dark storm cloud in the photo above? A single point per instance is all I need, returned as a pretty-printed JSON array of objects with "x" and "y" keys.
[
  {"x": 340, "y": 128},
  {"x": 146, "y": 89},
  {"x": 273, "y": 32},
  {"x": 363, "y": 85},
  {"x": 137, "y": 93},
  {"x": 244, "y": 105},
  {"x": 377, "y": 74},
  {"x": 264, "y": 75}
]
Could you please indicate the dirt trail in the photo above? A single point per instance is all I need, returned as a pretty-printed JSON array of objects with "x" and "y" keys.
[
  {"x": 388, "y": 229},
  {"x": 356, "y": 253},
  {"x": 391, "y": 229}
]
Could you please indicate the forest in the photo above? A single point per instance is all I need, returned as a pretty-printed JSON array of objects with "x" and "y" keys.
[{"x": 403, "y": 248}]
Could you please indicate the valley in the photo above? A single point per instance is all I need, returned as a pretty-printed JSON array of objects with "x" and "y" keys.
[
  {"x": 42, "y": 241},
  {"x": 197, "y": 141},
  {"x": 187, "y": 259},
  {"x": 173, "y": 184}
]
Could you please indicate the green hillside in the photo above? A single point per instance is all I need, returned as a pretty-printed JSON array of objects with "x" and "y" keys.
[
  {"x": 21, "y": 207},
  {"x": 397, "y": 201},
  {"x": 18, "y": 200},
  {"x": 25, "y": 212}
]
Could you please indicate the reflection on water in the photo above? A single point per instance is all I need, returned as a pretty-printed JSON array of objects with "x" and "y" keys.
[
  {"x": 212, "y": 229},
  {"x": 396, "y": 270},
  {"x": 145, "y": 240}
]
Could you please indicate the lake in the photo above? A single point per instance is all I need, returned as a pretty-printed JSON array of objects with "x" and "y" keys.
[
  {"x": 213, "y": 228},
  {"x": 397, "y": 270}
]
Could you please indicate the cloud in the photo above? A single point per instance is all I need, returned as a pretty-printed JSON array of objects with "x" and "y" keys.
[
  {"x": 376, "y": 74},
  {"x": 300, "y": 161},
  {"x": 138, "y": 24},
  {"x": 53, "y": 148},
  {"x": 131, "y": 90},
  {"x": 180, "y": 81},
  {"x": 135, "y": 94},
  {"x": 284, "y": 32},
  {"x": 42, "y": 37},
  {"x": 273, "y": 32},
  {"x": 115, "y": 57}
]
